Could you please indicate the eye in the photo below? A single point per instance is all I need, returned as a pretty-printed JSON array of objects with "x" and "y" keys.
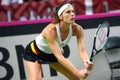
[
  {"x": 73, "y": 11},
  {"x": 68, "y": 11}
]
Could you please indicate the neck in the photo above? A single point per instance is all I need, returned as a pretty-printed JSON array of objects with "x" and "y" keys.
[{"x": 64, "y": 26}]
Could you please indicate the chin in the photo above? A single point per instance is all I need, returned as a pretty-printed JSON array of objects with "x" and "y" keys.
[{"x": 72, "y": 22}]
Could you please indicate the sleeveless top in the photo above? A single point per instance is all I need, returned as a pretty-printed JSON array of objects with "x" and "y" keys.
[{"x": 42, "y": 44}]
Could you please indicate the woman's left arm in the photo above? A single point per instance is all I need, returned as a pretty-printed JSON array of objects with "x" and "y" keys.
[{"x": 81, "y": 47}]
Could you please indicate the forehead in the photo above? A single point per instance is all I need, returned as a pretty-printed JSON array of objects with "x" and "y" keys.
[{"x": 69, "y": 8}]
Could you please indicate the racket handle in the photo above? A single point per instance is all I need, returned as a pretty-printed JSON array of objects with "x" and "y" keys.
[{"x": 91, "y": 59}]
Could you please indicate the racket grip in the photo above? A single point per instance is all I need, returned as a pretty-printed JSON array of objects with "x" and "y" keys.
[{"x": 91, "y": 59}]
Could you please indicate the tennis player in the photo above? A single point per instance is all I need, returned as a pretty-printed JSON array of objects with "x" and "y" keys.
[{"x": 46, "y": 48}]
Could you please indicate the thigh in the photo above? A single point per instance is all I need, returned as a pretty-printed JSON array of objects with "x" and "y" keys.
[
  {"x": 60, "y": 68},
  {"x": 34, "y": 70}
]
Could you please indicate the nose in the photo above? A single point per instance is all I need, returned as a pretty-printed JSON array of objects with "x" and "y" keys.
[{"x": 72, "y": 13}]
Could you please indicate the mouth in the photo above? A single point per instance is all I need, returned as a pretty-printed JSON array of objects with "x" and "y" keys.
[{"x": 72, "y": 19}]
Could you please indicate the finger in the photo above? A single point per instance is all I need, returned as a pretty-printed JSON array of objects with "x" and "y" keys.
[
  {"x": 89, "y": 63},
  {"x": 86, "y": 70}
]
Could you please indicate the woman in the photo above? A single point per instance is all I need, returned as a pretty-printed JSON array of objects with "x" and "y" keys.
[{"x": 47, "y": 47}]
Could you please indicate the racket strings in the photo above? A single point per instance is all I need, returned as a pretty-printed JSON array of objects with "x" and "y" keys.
[{"x": 102, "y": 35}]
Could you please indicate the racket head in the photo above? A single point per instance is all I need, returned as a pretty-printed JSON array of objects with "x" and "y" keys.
[
  {"x": 100, "y": 38},
  {"x": 102, "y": 35}
]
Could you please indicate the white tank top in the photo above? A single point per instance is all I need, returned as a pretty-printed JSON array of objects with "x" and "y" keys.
[{"x": 42, "y": 44}]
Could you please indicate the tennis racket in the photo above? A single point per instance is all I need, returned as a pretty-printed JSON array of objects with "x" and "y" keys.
[{"x": 100, "y": 38}]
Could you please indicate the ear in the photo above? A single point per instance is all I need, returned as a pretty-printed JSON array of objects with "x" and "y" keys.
[{"x": 60, "y": 17}]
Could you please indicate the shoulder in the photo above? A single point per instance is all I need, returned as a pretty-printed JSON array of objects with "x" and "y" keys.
[
  {"x": 49, "y": 28},
  {"x": 77, "y": 29},
  {"x": 50, "y": 31}
]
